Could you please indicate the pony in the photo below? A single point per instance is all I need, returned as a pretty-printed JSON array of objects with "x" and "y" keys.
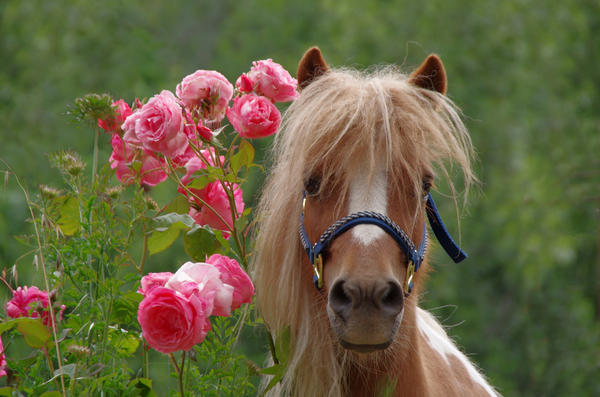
[{"x": 353, "y": 165}]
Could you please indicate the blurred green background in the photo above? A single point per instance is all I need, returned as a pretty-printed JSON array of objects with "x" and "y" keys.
[{"x": 526, "y": 305}]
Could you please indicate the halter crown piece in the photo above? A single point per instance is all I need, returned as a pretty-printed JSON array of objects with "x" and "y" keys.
[{"x": 413, "y": 254}]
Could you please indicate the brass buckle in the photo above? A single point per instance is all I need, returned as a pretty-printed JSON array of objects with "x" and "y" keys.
[
  {"x": 318, "y": 270},
  {"x": 410, "y": 272}
]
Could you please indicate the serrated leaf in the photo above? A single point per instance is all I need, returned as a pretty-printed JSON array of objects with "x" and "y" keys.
[
  {"x": 200, "y": 242},
  {"x": 143, "y": 387},
  {"x": 166, "y": 231},
  {"x": 160, "y": 241},
  {"x": 6, "y": 391},
  {"x": 179, "y": 205},
  {"x": 243, "y": 157},
  {"x": 200, "y": 182},
  {"x": 35, "y": 333},
  {"x": 68, "y": 220}
]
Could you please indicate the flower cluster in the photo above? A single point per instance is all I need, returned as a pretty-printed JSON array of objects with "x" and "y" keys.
[
  {"x": 177, "y": 131},
  {"x": 174, "y": 314},
  {"x": 253, "y": 113},
  {"x": 31, "y": 302}
]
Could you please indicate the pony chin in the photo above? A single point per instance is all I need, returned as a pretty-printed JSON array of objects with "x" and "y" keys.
[{"x": 353, "y": 335}]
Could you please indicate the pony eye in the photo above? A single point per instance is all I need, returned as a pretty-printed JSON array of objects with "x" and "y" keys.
[
  {"x": 312, "y": 185},
  {"x": 426, "y": 188}
]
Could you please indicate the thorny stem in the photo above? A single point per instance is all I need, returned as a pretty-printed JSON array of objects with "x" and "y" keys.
[
  {"x": 43, "y": 262},
  {"x": 195, "y": 196},
  {"x": 179, "y": 370}
]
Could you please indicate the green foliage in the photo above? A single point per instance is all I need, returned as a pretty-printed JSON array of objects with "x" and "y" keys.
[{"x": 524, "y": 73}]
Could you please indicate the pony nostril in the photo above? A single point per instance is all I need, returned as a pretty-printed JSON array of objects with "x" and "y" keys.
[
  {"x": 339, "y": 299},
  {"x": 392, "y": 298}
]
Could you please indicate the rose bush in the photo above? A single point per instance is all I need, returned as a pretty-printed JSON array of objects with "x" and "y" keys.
[{"x": 87, "y": 242}]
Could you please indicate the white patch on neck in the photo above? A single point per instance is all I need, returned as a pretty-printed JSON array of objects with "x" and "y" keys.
[
  {"x": 368, "y": 195},
  {"x": 434, "y": 334}
]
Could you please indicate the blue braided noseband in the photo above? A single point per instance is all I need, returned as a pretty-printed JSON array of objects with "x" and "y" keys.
[{"x": 413, "y": 254}]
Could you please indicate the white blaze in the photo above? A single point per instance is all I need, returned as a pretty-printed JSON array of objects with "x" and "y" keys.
[
  {"x": 435, "y": 335},
  {"x": 368, "y": 195}
]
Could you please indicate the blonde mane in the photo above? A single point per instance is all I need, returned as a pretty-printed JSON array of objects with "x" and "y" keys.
[{"x": 341, "y": 118}]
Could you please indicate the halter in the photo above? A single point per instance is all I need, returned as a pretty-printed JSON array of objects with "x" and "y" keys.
[{"x": 414, "y": 255}]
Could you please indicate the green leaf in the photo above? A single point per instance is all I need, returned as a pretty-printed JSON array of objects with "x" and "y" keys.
[
  {"x": 7, "y": 326},
  {"x": 200, "y": 182},
  {"x": 126, "y": 343},
  {"x": 6, "y": 391},
  {"x": 200, "y": 242},
  {"x": 166, "y": 231},
  {"x": 142, "y": 387},
  {"x": 36, "y": 334},
  {"x": 179, "y": 205},
  {"x": 243, "y": 157},
  {"x": 160, "y": 241},
  {"x": 51, "y": 393},
  {"x": 68, "y": 220}
]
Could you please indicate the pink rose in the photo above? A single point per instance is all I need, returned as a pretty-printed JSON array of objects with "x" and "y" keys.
[
  {"x": 158, "y": 126},
  {"x": 204, "y": 281},
  {"x": 244, "y": 84},
  {"x": 113, "y": 123},
  {"x": 214, "y": 195},
  {"x": 232, "y": 274},
  {"x": 123, "y": 156},
  {"x": 254, "y": 116},
  {"x": 171, "y": 321},
  {"x": 31, "y": 302},
  {"x": 27, "y": 302},
  {"x": 3, "y": 363},
  {"x": 153, "y": 280},
  {"x": 273, "y": 81},
  {"x": 208, "y": 90}
]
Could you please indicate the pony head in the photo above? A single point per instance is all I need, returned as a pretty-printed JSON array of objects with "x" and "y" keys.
[{"x": 351, "y": 142}]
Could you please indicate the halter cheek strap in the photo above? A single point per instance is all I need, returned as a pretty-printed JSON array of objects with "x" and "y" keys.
[{"x": 413, "y": 254}]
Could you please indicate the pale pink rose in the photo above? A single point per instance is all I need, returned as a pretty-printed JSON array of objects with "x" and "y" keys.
[
  {"x": 204, "y": 281},
  {"x": 27, "y": 302},
  {"x": 113, "y": 123},
  {"x": 171, "y": 321},
  {"x": 244, "y": 84},
  {"x": 151, "y": 172},
  {"x": 208, "y": 90},
  {"x": 153, "y": 280},
  {"x": 232, "y": 274},
  {"x": 254, "y": 116},
  {"x": 3, "y": 363},
  {"x": 214, "y": 195},
  {"x": 158, "y": 126},
  {"x": 273, "y": 81}
]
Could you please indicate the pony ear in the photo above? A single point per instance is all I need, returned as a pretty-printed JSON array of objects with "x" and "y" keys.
[
  {"x": 311, "y": 66},
  {"x": 430, "y": 75}
]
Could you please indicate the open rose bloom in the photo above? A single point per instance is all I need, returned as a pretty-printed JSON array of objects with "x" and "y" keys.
[
  {"x": 33, "y": 303},
  {"x": 174, "y": 314}
]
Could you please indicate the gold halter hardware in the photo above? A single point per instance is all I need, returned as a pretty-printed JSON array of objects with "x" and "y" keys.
[
  {"x": 410, "y": 272},
  {"x": 318, "y": 270}
]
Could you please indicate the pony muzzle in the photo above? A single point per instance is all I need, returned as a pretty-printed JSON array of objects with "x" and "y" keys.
[{"x": 365, "y": 316}]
